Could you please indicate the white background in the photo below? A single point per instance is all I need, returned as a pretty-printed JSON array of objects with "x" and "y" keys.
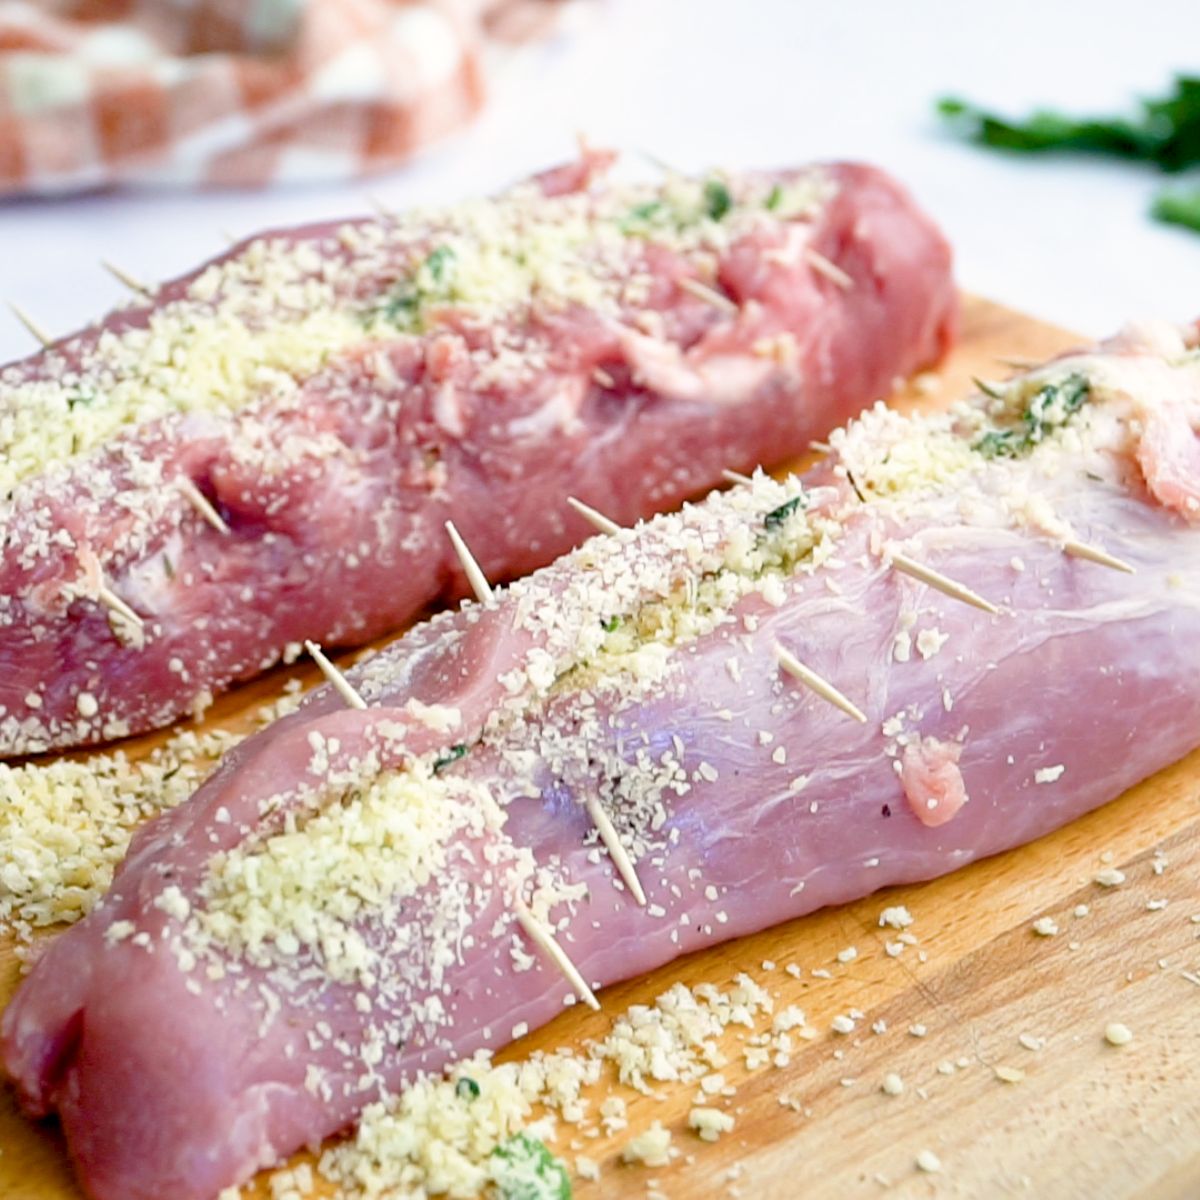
[{"x": 756, "y": 82}]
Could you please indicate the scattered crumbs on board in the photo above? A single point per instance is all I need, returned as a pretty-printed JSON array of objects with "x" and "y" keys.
[{"x": 65, "y": 824}]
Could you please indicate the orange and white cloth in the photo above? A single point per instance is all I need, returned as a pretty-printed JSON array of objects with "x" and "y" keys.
[{"x": 237, "y": 92}]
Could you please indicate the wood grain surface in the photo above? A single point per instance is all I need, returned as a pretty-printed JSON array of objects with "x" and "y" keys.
[{"x": 1086, "y": 1120}]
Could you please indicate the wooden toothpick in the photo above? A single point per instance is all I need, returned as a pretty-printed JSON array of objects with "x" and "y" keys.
[
  {"x": 596, "y": 519},
  {"x": 816, "y": 683},
  {"x": 709, "y": 295},
  {"x": 1095, "y": 554},
  {"x": 736, "y": 477},
  {"x": 544, "y": 940},
  {"x": 943, "y": 583},
  {"x": 339, "y": 682},
  {"x": 124, "y": 277},
  {"x": 200, "y": 502},
  {"x": 616, "y": 851},
  {"x": 475, "y": 576},
  {"x": 30, "y": 324},
  {"x": 106, "y": 596},
  {"x": 831, "y": 271},
  {"x": 388, "y": 214},
  {"x": 654, "y": 160}
]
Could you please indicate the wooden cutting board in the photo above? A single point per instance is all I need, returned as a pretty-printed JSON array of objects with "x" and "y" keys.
[{"x": 1087, "y": 1119}]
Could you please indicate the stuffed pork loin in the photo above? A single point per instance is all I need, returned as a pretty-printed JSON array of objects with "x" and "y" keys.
[
  {"x": 356, "y": 896},
  {"x": 266, "y": 450}
]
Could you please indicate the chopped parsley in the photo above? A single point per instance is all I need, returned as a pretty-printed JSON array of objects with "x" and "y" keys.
[
  {"x": 466, "y": 1088},
  {"x": 83, "y": 394},
  {"x": 1051, "y": 406},
  {"x": 523, "y": 1169},
  {"x": 642, "y": 214},
  {"x": 440, "y": 264},
  {"x": 430, "y": 281},
  {"x": 451, "y": 756},
  {"x": 774, "y": 198},
  {"x": 777, "y": 516},
  {"x": 611, "y": 625},
  {"x": 717, "y": 200}
]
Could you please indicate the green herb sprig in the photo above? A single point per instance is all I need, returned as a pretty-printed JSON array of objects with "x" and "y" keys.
[
  {"x": 1164, "y": 133},
  {"x": 1066, "y": 397}
]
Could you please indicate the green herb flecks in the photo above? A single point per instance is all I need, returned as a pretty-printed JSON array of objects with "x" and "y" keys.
[
  {"x": 1165, "y": 133},
  {"x": 432, "y": 281},
  {"x": 717, "y": 200},
  {"x": 611, "y": 625},
  {"x": 774, "y": 198},
  {"x": 81, "y": 395},
  {"x": 451, "y": 756},
  {"x": 1051, "y": 406},
  {"x": 521, "y": 1168},
  {"x": 777, "y": 516},
  {"x": 1179, "y": 206},
  {"x": 642, "y": 216},
  {"x": 440, "y": 264},
  {"x": 466, "y": 1088}
]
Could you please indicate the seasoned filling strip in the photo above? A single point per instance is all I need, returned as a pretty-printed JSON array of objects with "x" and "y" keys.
[{"x": 257, "y": 323}]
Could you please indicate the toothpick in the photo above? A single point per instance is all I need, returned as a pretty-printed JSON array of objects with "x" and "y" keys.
[
  {"x": 199, "y": 501},
  {"x": 124, "y": 277},
  {"x": 596, "y": 519},
  {"x": 823, "y": 688},
  {"x": 382, "y": 209},
  {"x": 616, "y": 851},
  {"x": 653, "y": 159},
  {"x": 106, "y": 596},
  {"x": 544, "y": 940},
  {"x": 1017, "y": 364},
  {"x": 340, "y": 683},
  {"x": 475, "y": 577},
  {"x": 820, "y": 447},
  {"x": 943, "y": 583},
  {"x": 831, "y": 271},
  {"x": 1095, "y": 554},
  {"x": 736, "y": 477},
  {"x": 31, "y": 325},
  {"x": 709, "y": 295}
]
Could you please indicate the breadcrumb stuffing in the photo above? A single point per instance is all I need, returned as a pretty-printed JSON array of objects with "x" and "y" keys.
[
  {"x": 651, "y": 1148},
  {"x": 709, "y": 1123},
  {"x": 1117, "y": 1034},
  {"x": 928, "y": 1162},
  {"x": 66, "y": 824}
]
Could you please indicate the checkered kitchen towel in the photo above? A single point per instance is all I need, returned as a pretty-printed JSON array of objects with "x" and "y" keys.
[{"x": 242, "y": 92}]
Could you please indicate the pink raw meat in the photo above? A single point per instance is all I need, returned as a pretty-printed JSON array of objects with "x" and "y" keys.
[
  {"x": 336, "y": 488},
  {"x": 181, "y": 1060}
]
